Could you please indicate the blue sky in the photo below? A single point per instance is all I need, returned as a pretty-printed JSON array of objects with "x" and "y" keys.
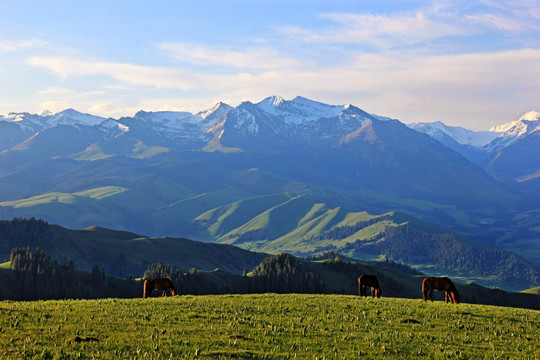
[{"x": 465, "y": 63}]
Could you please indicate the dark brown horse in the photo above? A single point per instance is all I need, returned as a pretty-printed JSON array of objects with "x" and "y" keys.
[
  {"x": 440, "y": 284},
  {"x": 369, "y": 281},
  {"x": 158, "y": 284}
]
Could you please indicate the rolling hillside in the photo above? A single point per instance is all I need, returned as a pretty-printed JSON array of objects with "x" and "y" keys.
[
  {"x": 121, "y": 253},
  {"x": 299, "y": 225}
]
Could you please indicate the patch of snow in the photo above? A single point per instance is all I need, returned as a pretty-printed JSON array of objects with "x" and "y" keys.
[
  {"x": 298, "y": 110},
  {"x": 459, "y": 134},
  {"x": 73, "y": 117},
  {"x": 113, "y": 126}
]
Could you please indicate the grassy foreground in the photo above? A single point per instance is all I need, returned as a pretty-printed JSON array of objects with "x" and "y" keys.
[{"x": 265, "y": 326}]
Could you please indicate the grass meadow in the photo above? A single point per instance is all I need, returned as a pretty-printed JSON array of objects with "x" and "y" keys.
[{"x": 265, "y": 326}]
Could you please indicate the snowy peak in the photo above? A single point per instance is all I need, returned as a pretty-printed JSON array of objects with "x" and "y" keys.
[
  {"x": 299, "y": 110},
  {"x": 530, "y": 116},
  {"x": 73, "y": 117},
  {"x": 271, "y": 102},
  {"x": 219, "y": 110},
  {"x": 113, "y": 128},
  {"x": 498, "y": 137},
  {"x": 524, "y": 124},
  {"x": 33, "y": 122}
]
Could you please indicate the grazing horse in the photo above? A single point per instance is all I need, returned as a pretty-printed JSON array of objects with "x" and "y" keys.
[
  {"x": 365, "y": 281},
  {"x": 158, "y": 284},
  {"x": 440, "y": 284}
]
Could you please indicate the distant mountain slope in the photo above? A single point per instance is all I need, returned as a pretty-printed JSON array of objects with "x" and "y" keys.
[
  {"x": 121, "y": 253},
  {"x": 444, "y": 133},
  {"x": 519, "y": 162},
  {"x": 505, "y": 151},
  {"x": 297, "y": 225}
]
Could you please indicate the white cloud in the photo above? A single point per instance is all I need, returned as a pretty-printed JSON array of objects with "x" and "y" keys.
[
  {"x": 252, "y": 58},
  {"x": 55, "y": 90},
  {"x": 158, "y": 77},
  {"x": 385, "y": 30},
  {"x": 55, "y": 106},
  {"x": 107, "y": 109},
  {"x": 10, "y": 46},
  {"x": 411, "y": 87}
]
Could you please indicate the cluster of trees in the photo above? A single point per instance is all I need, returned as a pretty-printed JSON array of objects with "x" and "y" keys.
[
  {"x": 447, "y": 251},
  {"x": 22, "y": 232},
  {"x": 36, "y": 276},
  {"x": 282, "y": 273}
]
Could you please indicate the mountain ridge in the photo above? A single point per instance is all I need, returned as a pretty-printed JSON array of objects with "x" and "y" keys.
[{"x": 173, "y": 167}]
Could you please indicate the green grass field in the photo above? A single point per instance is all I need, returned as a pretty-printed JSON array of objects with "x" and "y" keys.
[{"x": 265, "y": 326}]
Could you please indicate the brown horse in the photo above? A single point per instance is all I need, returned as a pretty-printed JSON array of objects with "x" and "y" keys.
[
  {"x": 158, "y": 284},
  {"x": 440, "y": 284},
  {"x": 369, "y": 281}
]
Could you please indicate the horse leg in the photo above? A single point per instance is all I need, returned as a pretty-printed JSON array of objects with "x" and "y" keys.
[
  {"x": 431, "y": 294},
  {"x": 373, "y": 292}
]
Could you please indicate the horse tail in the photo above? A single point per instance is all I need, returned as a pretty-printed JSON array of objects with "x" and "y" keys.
[
  {"x": 144, "y": 289},
  {"x": 455, "y": 295},
  {"x": 454, "y": 292},
  {"x": 425, "y": 289}
]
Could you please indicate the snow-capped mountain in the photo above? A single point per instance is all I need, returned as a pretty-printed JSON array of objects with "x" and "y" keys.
[
  {"x": 511, "y": 132},
  {"x": 299, "y": 119},
  {"x": 463, "y": 136},
  {"x": 489, "y": 141},
  {"x": 299, "y": 110},
  {"x": 31, "y": 123},
  {"x": 287, "y": 122}
]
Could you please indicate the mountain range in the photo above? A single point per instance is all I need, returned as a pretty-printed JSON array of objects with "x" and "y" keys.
[
  {"x": 506, "y": 152},
  {"x": 195, "y": 174}
]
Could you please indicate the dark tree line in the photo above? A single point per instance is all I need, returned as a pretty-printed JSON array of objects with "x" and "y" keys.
[
  {"x": 36, "y": 276},
  {"x": 447, "y": 251},
  {"x": 22, "y": 232},
  {"x": 284, "y": 273}
]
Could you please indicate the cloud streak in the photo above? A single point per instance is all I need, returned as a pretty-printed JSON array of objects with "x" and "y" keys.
[
  {"x": 415, "y": 65},
  {"x": 384, "y": 82},
  {"x": 251, "y": 58},
  {"x": 11, "y": 46}
]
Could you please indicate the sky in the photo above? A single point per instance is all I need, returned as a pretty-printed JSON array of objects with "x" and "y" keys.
[{"x": 473, "y": 64}]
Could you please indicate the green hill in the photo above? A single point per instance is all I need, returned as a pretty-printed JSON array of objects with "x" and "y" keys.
[
  {"x": 266, "y": 326},
  {"x": 299, "y": 224},
  {"x": 121, "y": 253},
  {"x": 535, "y": 290}
]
